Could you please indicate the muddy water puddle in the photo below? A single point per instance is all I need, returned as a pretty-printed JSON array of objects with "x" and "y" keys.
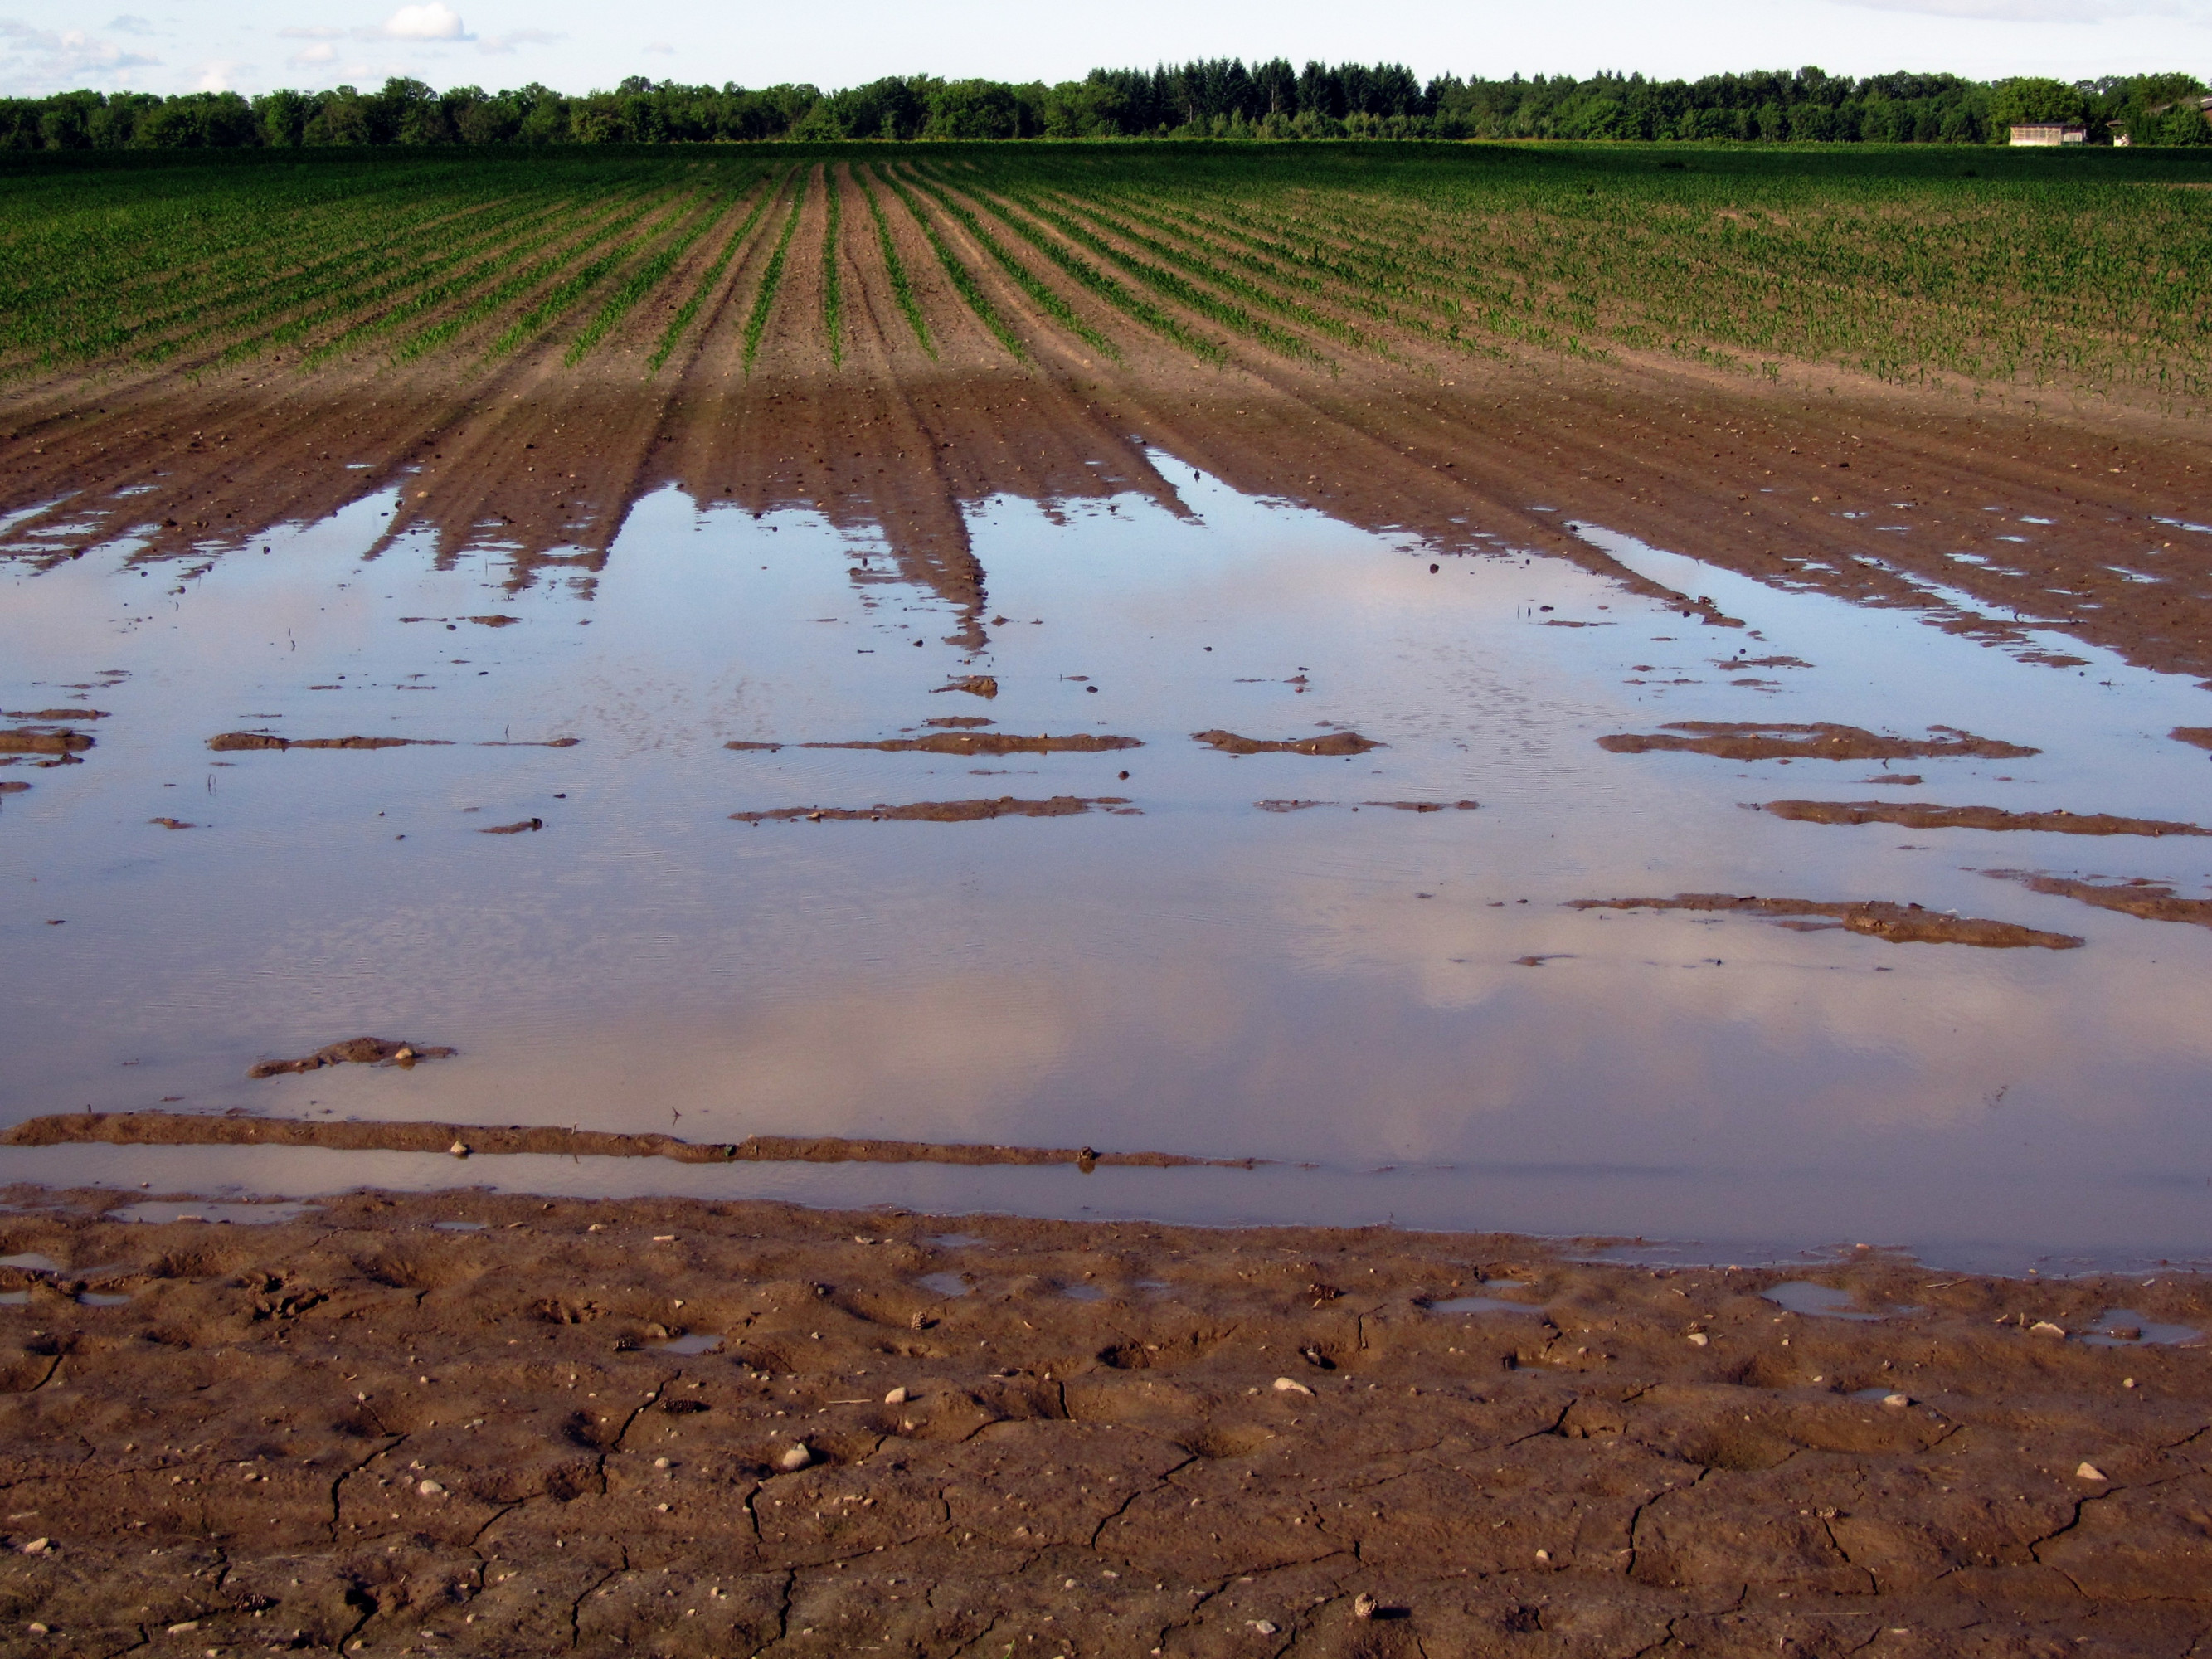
[{"x": 1028, "y": 893}]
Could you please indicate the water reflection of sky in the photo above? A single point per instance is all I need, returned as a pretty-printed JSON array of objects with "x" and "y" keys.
[{"x": 1336, "y": 988}]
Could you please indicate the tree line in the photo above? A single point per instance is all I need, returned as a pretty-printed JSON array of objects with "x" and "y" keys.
[{"x": 1211, "y": 98}]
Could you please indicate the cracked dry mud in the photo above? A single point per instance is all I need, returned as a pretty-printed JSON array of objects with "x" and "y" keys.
[{"x": 356, "y": 1432}]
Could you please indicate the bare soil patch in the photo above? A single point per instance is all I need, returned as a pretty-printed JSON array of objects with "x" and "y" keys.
[
  {"x": 2139, "y": 895},
  {"x": 231, "y": 742},
  {"x": 1818, "y": 740},
  {"x": 354, "y": 1051},
  {"x": 1926, "y": 815},
  {"x": 708, "y": 1429},
  {"x": 1883, "y": 919},
  {"x": 940, "y": 811},
  {"x": 1330, "y": 744}
]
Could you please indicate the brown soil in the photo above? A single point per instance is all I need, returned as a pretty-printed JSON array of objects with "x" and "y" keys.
[
  {"x": 228, "y": 741},
  {"x": 26, "y": 742},
  {"x": 1900, "y": 924},
  {"x": 1390, "y": 806},
  {"x": 984, "y": 743},
  {"x": 354, "y": 1051},
  {"x": 1926, "y": 815},
  {"x": 2199, "y": 735},
  {"x": 354, "y": 1428},
  {"x": 1335, "y": 742},
  {"x": 11, "y": 787},
  {"x": 172, "y": 824},
  {"x": 185, "y": 1129},
  {"x": 49, "y": 715},
  {"x": 2152, "y": 900},
  {"x": 535, "y": 464},
  {"x": 939, "y": 811},
  {"x": 1820, "y": 740},
  {"x": 520, "y": 827}
]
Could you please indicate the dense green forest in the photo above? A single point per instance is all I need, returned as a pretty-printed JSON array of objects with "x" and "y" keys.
[{"x": 1217, "y": 98}]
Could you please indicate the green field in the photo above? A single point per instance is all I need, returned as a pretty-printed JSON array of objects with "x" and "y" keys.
[{"x": 2089, "y": 269}]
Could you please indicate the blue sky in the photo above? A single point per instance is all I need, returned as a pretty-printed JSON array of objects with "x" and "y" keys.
[{"x": 251, "y": 46}]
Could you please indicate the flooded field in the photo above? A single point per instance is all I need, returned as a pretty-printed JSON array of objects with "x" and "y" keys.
[{"x": 743, "y": 833}]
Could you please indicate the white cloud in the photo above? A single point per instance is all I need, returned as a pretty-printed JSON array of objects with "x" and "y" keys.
[
  {"x": 2042, "y": 11},
  {"x": 35, "y": 60},
  {"x": 433, "y": 21},
  {"x": 128, "y": 24},
  {"x": 218, "y": 74},
  {"x": 321, "y": 53},
  {"x": 498, "y": 44},
  {"x": 311, "y": 34},
  {"x": 661, "y": 48}
]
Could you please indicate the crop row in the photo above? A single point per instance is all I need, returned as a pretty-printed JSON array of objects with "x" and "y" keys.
[{"x": 2091, "y": 280}]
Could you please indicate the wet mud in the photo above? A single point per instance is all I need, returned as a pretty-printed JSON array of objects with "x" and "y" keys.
[
  {"x": 1388, "y": 806},
  {"x": 236, "y": 742},
  {"x": 1926, "y": 815},
  {"x": 989, "y": 743},
  {"x": 1882, "y": 919},
  {"x": 188, "y": 1129},
  {"x": 2199, "y": 735},
  {"x": 1333, "y": 744},
  {"x": 1816, "y": 740},
  {"x": 525, "y": 1425},
  {"x": 940, "y": 811},
  {"x": 2139, "y": 897},
  {"x": 354, "y": 1051},
  {"x": 28, "y": 741}
]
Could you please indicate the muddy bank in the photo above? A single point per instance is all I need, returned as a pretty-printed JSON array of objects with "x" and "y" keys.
[
  {"x": 1816, "y": 740},
  {"x": 464, "y": 1140},
  {"x": 941, "y": 812},
  {"x": 2152, "y": 900},
  {"x": 1926, "y": 815},
  {"x": 1900, "y": 924},
  {"x": 698, "y": 1429}
]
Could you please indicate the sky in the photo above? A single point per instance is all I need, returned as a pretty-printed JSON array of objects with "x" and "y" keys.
[{"x": 251, "y": 45}]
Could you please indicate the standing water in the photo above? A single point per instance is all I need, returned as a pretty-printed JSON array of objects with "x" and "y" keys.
[{"x": 1364, "y": 968}]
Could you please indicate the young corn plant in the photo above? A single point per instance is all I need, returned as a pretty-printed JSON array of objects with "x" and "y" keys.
[
  {"x": 680, "y": 323},
  {"x": 963, "y": 280},
  {"x": 894, "y": 267},
  {"x": 833, "y": 298},
  {"x": 771, "y": 278}
]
